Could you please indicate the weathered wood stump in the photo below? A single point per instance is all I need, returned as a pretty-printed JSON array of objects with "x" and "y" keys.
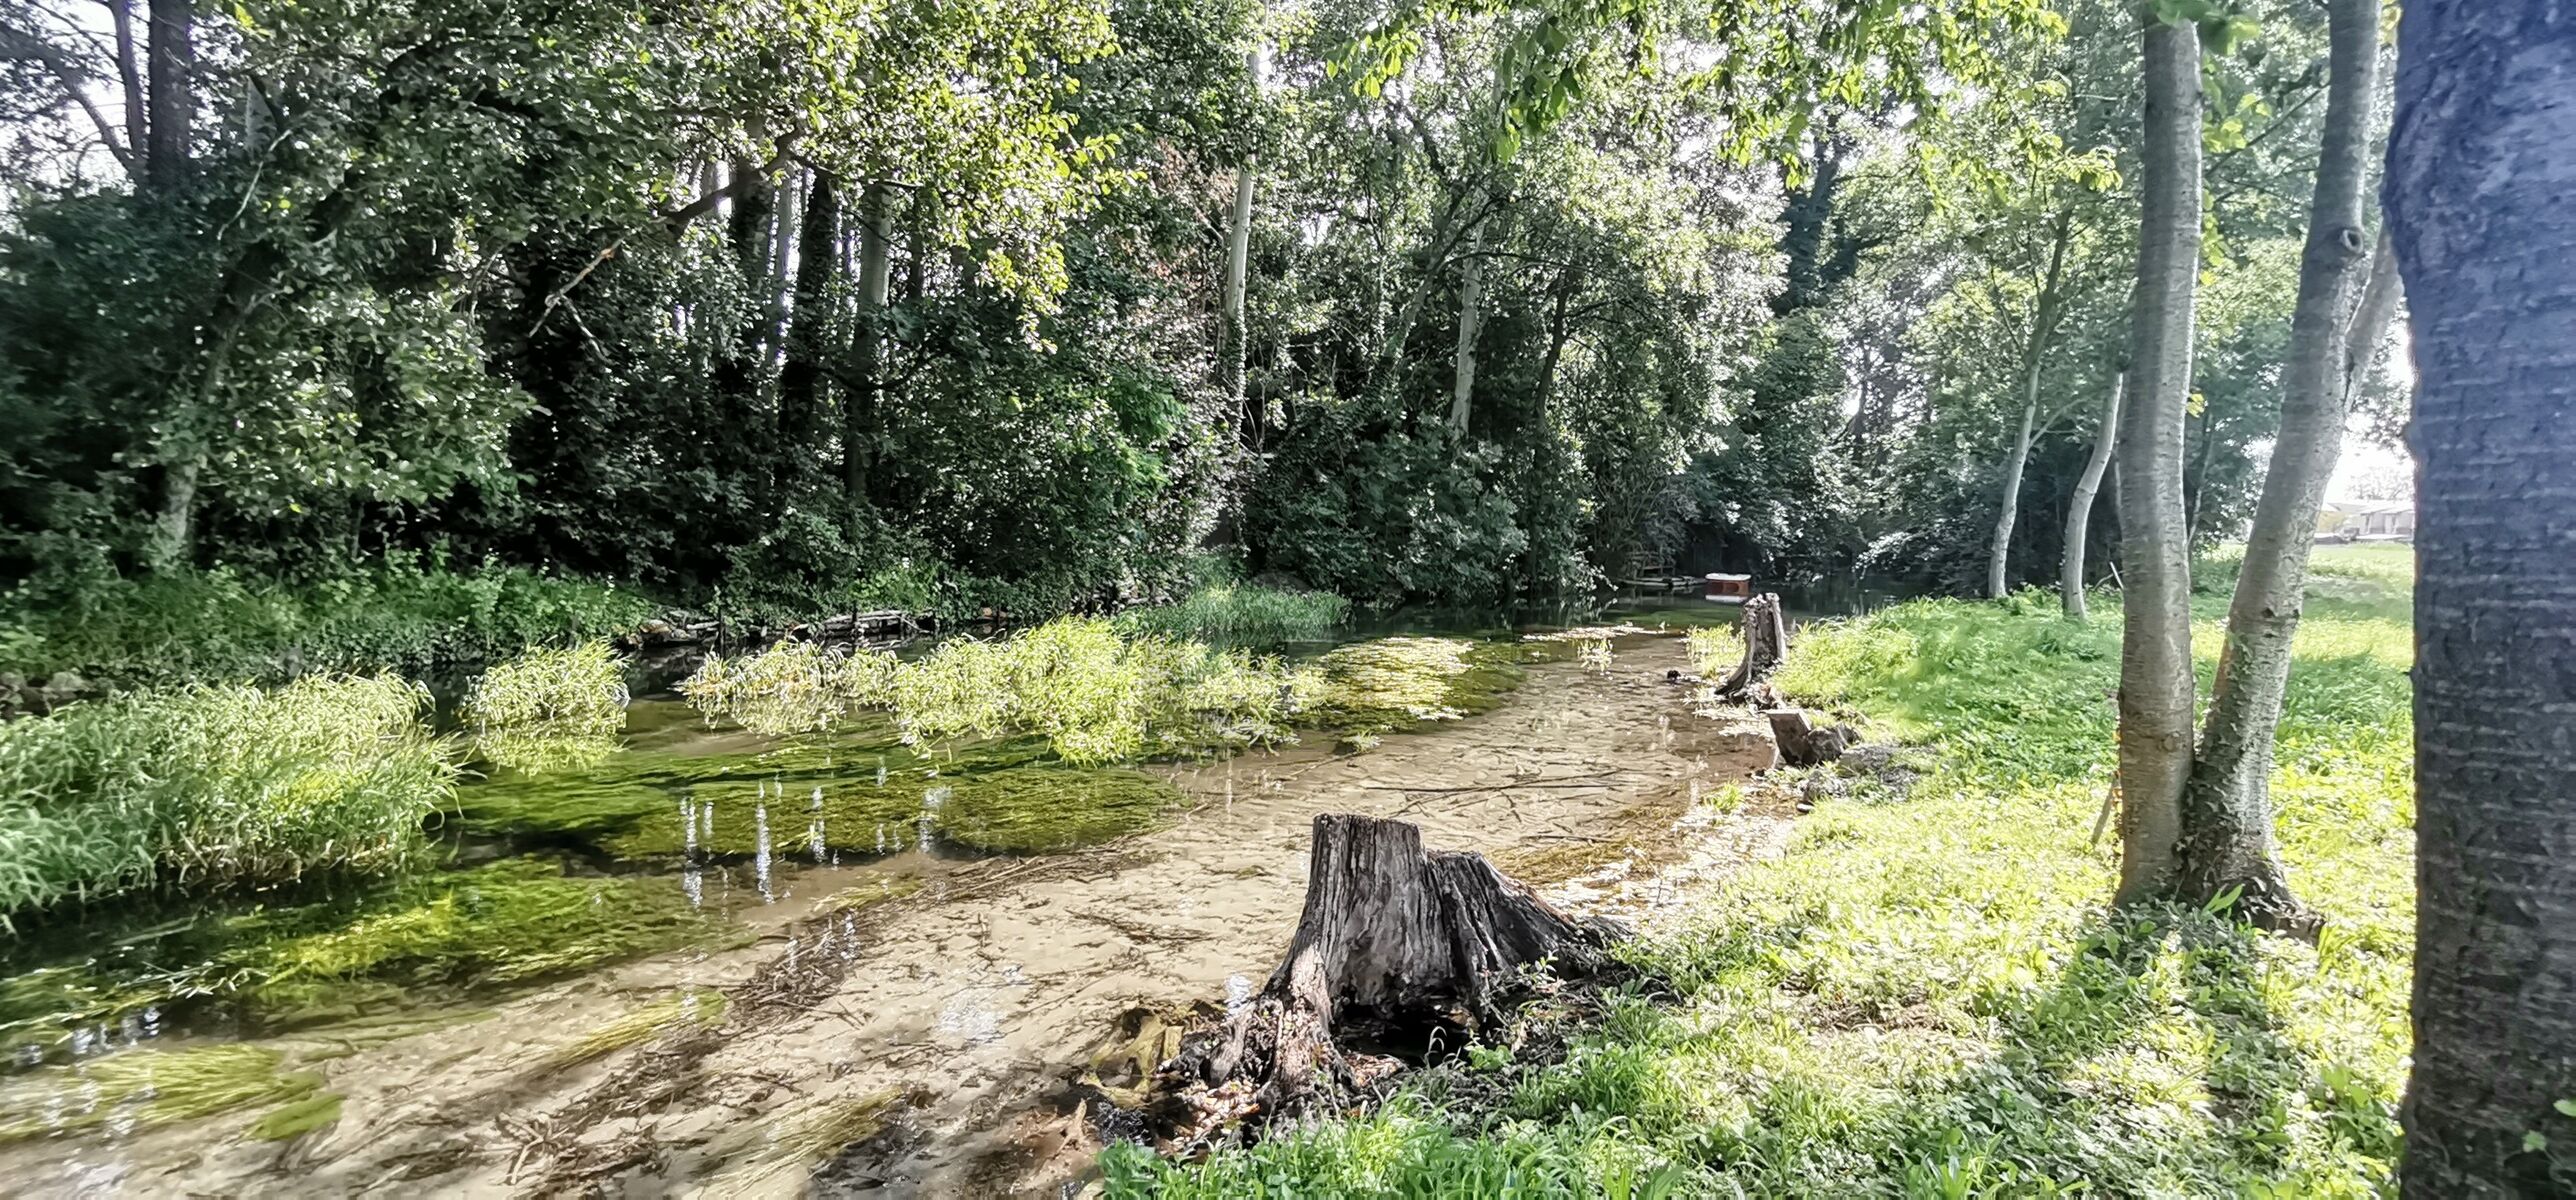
[
  {"x": 1396, "y": 943},
  {"x": 1766, "y": 646},
  {"x": 1805, "y": 745}
]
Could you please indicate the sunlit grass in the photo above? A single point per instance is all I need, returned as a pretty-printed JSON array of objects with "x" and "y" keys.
[
  {"x": 216, "y": 783},
  {"x": 1932, "y": 998}
]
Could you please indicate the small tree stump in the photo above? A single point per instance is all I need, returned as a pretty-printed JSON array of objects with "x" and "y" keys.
[
  {"x": 1766, "y": 646},
  {"x": 1396, "y": 944},
  {"x": 1805, "y": 745}
]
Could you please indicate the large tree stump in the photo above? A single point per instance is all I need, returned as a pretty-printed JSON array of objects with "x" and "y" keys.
[
  {"x": 1396, "y": 945},
  {"x": 1766, "y": 646}
]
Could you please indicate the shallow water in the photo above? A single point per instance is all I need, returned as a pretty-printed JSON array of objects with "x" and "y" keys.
[{"x": 894, "y": 998}]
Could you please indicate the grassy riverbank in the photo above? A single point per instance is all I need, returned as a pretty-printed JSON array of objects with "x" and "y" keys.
[{"x": 1928, "y": 996}]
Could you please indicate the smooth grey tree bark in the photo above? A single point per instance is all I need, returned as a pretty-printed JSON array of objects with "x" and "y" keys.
[
  {"x": 2228, "y": 841},
  {"x": 1471, "y": 325},
  {"x": 2043, "y": 321},
  {"x": 2481, "y": 171},
  {"x": 2155, "y": 644},
  {"x": 2079, "y": 508},
  {"x": 1236, "y": 338}
]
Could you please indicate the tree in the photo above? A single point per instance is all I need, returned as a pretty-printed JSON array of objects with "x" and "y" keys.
[
  {"x": 2478, "y": 170},
  {"x": 2156, "y": 687},
  {"x": 2227, "y": 841},
  {"x": 2079, "y": 511}
]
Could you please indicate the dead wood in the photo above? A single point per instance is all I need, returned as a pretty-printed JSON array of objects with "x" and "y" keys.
[
  {"x": 1400, "y": 952},
  {"x": 1766, "y": 646},
  {"x": 1806, "y": 745}
]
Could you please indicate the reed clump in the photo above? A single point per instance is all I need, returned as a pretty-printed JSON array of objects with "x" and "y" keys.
[
  {"x": 550, "y": 709},
  {"x": 792, "y": 687},
  {"x": 218, "y": 784}
]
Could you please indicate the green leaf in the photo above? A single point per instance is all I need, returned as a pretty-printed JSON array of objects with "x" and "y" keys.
[{"x": 2566, "y": 1108}]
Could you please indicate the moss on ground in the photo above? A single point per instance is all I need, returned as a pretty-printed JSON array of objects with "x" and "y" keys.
[{"x": 1930, "y": 998}]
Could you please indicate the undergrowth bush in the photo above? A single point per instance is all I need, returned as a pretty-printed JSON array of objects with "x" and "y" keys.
[
  {"x": 182, "y": 627},
  {"x": 225, "y": 783},
  {"x": 1240, "y": 613},
  {"x": 1932, "y": 998}
]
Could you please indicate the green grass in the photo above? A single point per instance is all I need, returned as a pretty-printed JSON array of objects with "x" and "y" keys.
[
  {"x": 1931, "y": 998},
  {"x": 1241, "y": 613},
  {"x": 221, "y": 784},
  {"x": 180, "y": 628}
]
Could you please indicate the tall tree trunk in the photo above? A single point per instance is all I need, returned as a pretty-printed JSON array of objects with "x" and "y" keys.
[
  {"x": 2155, "y": 643},
  {"x": 2480, "y": 168},
  {"x": 2227, "y": 838},
  {"x": 859, "y": 413},
  {"x": 2043, "y": 317},
  {"x": 2079, "y": 509},
  {"x": 1471, "y": 325},
  {"x": 801, "y": 399},
  {"x": 171, "y": 47},
  {"x": 1236, "y": 339},
  {"x": 1806, "y": 220},
  {"x": 129, "y": 79}
]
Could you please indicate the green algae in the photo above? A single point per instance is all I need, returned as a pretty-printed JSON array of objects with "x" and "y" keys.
[
  {"x": 297, "y": 1119},
  {"x": 435, "y": 937},
  {"x": 1398, "y": 683},
  {"x": 146, "y": 1087},
  {"x": 695, "y": 1006},
  {"x": 1002, "y": 810},
  {"x": 1037, "y": 810}
]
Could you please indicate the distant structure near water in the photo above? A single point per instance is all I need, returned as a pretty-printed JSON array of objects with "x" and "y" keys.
[{"x": 2366, "y": 521}]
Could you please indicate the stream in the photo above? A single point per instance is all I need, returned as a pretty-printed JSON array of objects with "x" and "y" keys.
[{"x": 703, "y": 961}]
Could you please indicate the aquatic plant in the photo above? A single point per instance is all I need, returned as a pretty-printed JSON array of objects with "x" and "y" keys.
[
  {"x": 1096, "y": 696},
  {"x": 760, "y": 1151},
  {"x": 865, "y": 896},
  {"x": 1715, "y": 649},
  {"x": 1005, "y": 810},
  {"x": 216, "y": 783},
  {"x": 1036, "y": 810},
  {"x": 510, "y": 922},
  {"x": 145, "y": 1087},
  {"x": 1398, "y": 682},
  {"x": 549, "y": 709},
  {"x": 693, "y": 1006},
  {"x": 792, "y": 687},
  {"x": 298, "y": 1118},
  {"x": 1238, "y": 612}
]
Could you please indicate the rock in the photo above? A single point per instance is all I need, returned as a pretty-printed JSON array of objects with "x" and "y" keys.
[{"x": 65, "y": 684}]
